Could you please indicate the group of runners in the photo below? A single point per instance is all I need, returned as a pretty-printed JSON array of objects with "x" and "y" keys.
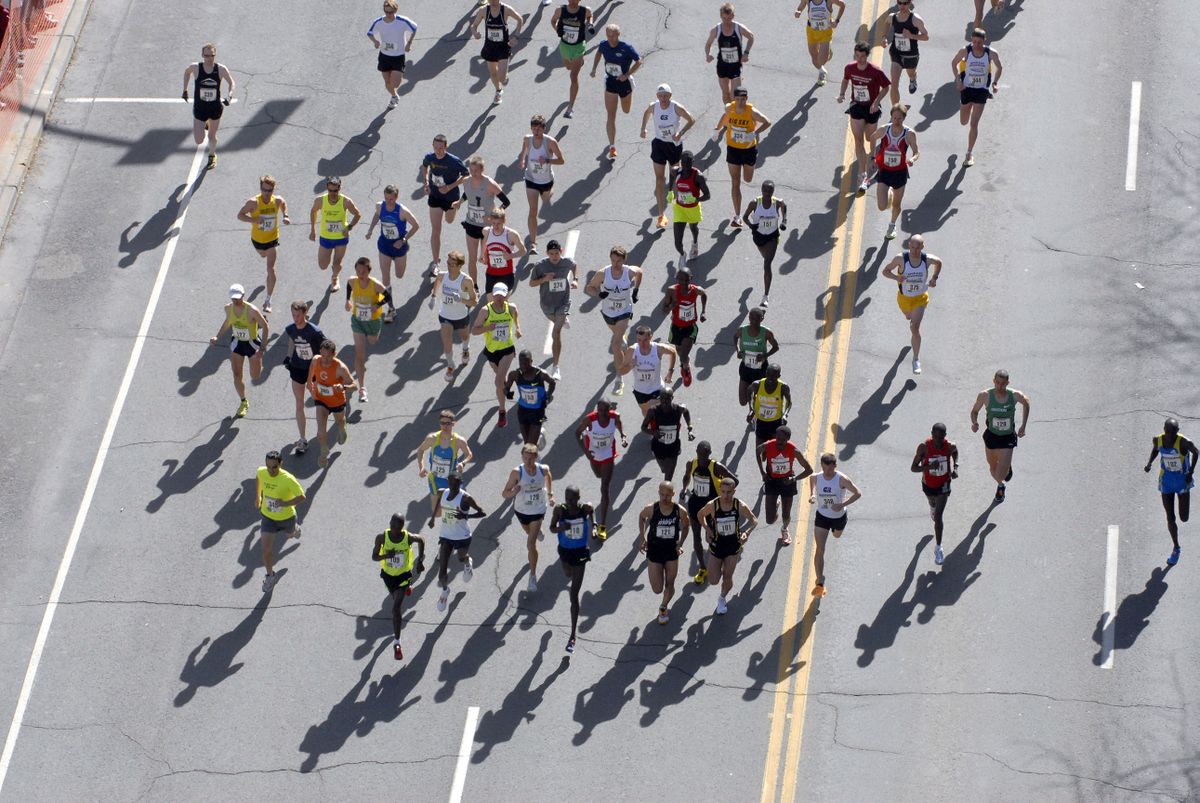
[{"x": 706, "y": 503}]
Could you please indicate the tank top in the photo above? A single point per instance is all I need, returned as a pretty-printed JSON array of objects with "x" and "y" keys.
[
  {"x": 620, "y": 293},
  {"x": 324, "y": 378},
  {"x": 976, "y": 71},
  {"x": 664, "y": 526},
  {"x": 206, "y": 91},
  {"x": 893, "y": 150},
  {"x": 244, "y": 327},
  {"x": 704, "y": 480},
  {"x": 754, "y": 347},
  {"x": 392, "y": 225},
  {"x": 576, "y": 530},
  {"x": 453, "y": 527},
  {"x": 602, "y": 440},
  {"x": 1001, "y": 415},
  {"x": 474, "y": 197},
  {"x": 498, "y": 252},
  {"x": 687, "y": 189},
  {"x": 333, "y": 218},
  {"x": 531, "y": 393},
  {"x": 829, "y": 493},
  {"x": 729, "y": 47},
  {"x": 684, "y": 312},
  {"x": 740, "y": 130},
  {"x": 535, "y": 171},
  {"x": 647, "y": 370},
  {"x": 666, "y": 424},
  {"x": 496, "y": 28},
  {"x": 1171, "y": 458},
  {"x": 727, "y": 522},
  {"x": 937, "y": 464},
  {"x": 914, "y": 279},
  {"x": 768, "y": 406},
  {"x": 399, "y": 554},
  {"x": 666, "y": 122},
  {"x": 766, "y": 218},
  {"x": 905, "y": 47},
  {"x": 502, "y": 337},
  {"x": 266, "y": 226},
  {"x": 779, "y": 461},
  {"x": 818, "y": 16},
  {"x": 531, "y": 491},
  {"x": 452, "y": 307},
  {"x": 442, "y": 458},
  {"x": 365, "y": 300},
  {"x": 570, "y": 24}
]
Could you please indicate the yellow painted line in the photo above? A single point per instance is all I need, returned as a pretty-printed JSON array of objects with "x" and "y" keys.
[{"x": 787, "y": 723}]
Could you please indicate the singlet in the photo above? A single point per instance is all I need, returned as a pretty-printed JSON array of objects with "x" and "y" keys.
[
  {"x": 531, "y": 490},
  {"x": 666, "y": 424},
  {"x": 502, "y": 337},
  {"x": 829, "y": 492},
  {"x": 1001, "y": 415},
  {"x": 392, "y": 225},
  {"x": 1172, "y": 459},
  {"x": 496, "y": 28},
  {"x": 687, "y": 189},
  {"x": 570, "y": 24},
  {"x": 333, "y": 218},
  {"x": 740, "y": 130},
  {"x": 937, "y": 464},
  {"x": 453, "y": 527},
  {"x": 768, "y": 406},
  {"x": 498, "y": 252},
  {"x": 531, "y": 393},
  {"x": 666, "y": 122},
  {"x": 324, "y": 377},
  {"x": 818, "y": 16},
  {"x": 726, "y": 523},
  {"x": 306, "y": 343},
  {"x": 905, "y": 47},
  {"x": 729, "y": 48},
  {"x": 366, "y": 301},
  {"x": 976, "y": 71},
  {"x": 207, "y": 87},
  {"x": 399, "y": 558},
  {"x": 452, "y": 306},
  {"x": 664, "y": 525},
  {"x": 442, "y": 458},
  {"x": 766, "y": 218},
  {"x": 265, "y": 228},
  {"x": 620, "y": 293},
  {"x": 704, "y": 480},
  {"x": 754, "y": 347},
  {"x": 647, "y": 369},
  {"x": 684, "y": 313},
  {"x": 243, "y": 327},
  {"x": 914, "y": 279},
  {"x": 474, "y": 200},
  {"x": 779, "y": 461},
  {"x": 576, "y": 529},
  {"x": 893, "y": 150},
  {"x": 536, "y": 172},
  {"x": 602, "y": 440}
]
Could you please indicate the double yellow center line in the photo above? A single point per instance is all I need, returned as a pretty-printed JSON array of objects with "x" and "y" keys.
[{"x": 791, "y": 693}]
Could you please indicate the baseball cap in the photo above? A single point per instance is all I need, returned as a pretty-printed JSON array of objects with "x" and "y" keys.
[
  {"x": 500, "y": 289},
  {"x": 236, "y": 291},
  {"x": 664, "y": 88},
  {"x": 553, "y": 245}
]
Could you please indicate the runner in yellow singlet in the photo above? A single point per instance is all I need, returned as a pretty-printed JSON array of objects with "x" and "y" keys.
[
  {"x": 264, "y": 212},
  {"x": 329, "y": 209},
  {"x": 365, "y": 299},
  {"x": 249, "y": 329},
  {"x": 743, "y": 125}
]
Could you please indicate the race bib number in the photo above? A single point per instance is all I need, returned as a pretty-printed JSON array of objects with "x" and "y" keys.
[
  {"x": 304, "y": 350},
  {"x": 274, "y": 505},
  {"x": 614, "y": 305},
  {"x": 575, "y": 530},
  {"x": 602, "y": 442},
  {"x": 441, "y": 468},
  {"x": 827, "y": 501},
  {"x": 389, "y": 230},
  {"x": 685, "y": 199},
  {"x": 768, "y": 225},
  {"x": 687, "y": 312},
  {"x": 498, "y": 259},
  {"x": 702, "y": 486},
  {"x": 495, "y": 34},
  {"x": 780, "y": 466},
  {"x": 743, "y": 137},
  {"x": 862, "y": 93},
  {"x": 449, "y": 516},
  {"x": 570, "y": 34},
  {"x": 208, "y": 94},
  {"x": 903, "y": 44},
  {"x": 558, "y": 285},
  {"x": 645, "y": 376},
  {"x": 539, "y": 170},
  {"x": 668, "y": 434},
  {"x": 334, "y": 227},
  {"x": 976, "y": 80},
  {"x": 500, "y": 332},
  {"x": 397, "y": 560},
  {"x": 913, "y": 287},
  {"x": 729, "y": 55},
  {"x": 449, "y": 299},
  {"x": 612, "y": 70},
  {"x": 241, "y": 333},
  {"x": 363, "y": 312},
  {"x": 474, "y": 215},
  {"x": 1002, "y": 424},
  {"x": 891, "y": 158},
  {"x": 750, "y": 359},
  {"x": 1172, "y": 463},
  {"x": 666, "y": 132},
  {"x": 533, "y": 498},
  {"x": 726, "y": 526},
  {"x": 937, "y": 466},
  {"x": 437, "y": 180},
  {"x": 768, "y": 409},
  {"x": 324, "y": 390},
  {"x": 818, "y": 20},
  {"x": 665, "y": 531},
  {"x": 531, "y": 396},
  {"x": 266, "y": 223}
]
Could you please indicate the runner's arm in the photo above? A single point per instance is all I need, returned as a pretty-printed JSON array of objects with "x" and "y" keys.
[
  {"x": 466, "y": 454},
  {"x": 954, "y": 62},
  {"x": 1190, "y": 447},
  {"x": 749, "y": 35},
  {"x": 702, "y": 183},
  {"x": 524, "y": 150},
  {"x": 918, "y": 462},
  {"x": 510, "y": 487},
  {"x": 187, "y": 78},
  {"x": 808, "y": 469},
  {"x": 646, "y": 119},
  {"x": 712, "y": 37},
  {"x": 980, "y": 401},
  {"x": 953, "y": 461},
  {"x": 911, "y": 138},
  {"x": 244, "y": 213},
  {"x": 889, "y": 270},
  {"x": 687, "y": 417},
  {"x": 283, "y": 211},
  {"x": 999, "y": 69},
  {"x": 855, "y": 494},
  {"x": 228, "y": 77},
  {"x": 374, "y": 221},
  {"x": 763, "y": 120},
  {"x": 751, "y": 519},
  {"x": 413, "y": 224},
  {"x": 377, "y": 552},
  {"x": 514, "y": 15},
  {"x": 1023, "y": 400},
  {"x": 556, "y": 154},
  {"x": 922, "y": 35},
  {"x": 936, "y": 264},
  {"x": 352, "y": 209},
  {"x": 685, "y": 115},
  {"x": 772, "y": 345}
]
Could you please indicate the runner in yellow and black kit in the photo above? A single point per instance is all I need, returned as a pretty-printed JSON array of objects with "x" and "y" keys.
[
  {"x": 770, "y": 403},
  {"x": 398, "y": 568},
  {"x": 365, "y": 299},
  {"x": 330, "y": 211},
  {"x": 500, "y": 326},
  {"x": 264, "y": 212},
  {"x": 245, "y": 321},
  {"x": 743, "y": 124}
]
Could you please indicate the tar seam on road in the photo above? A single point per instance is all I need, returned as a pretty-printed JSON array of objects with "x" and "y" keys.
[
  {"x": 39, "y": 644},
  {"x": 464, "y": 754},
  {"x": 1110, "y": 599},
  {"x": 131, "y": 100},
  {"x": 568, "y": 253},
  {"x": 1135, "y": 116}
]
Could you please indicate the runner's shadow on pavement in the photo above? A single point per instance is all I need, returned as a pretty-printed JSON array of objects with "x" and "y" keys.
[
  {"x": 959, "y": 571},
  {"x": 709, "y": 356},
  {"x": 935, "y": 208},
  {"x": 200, "y": 464},
  {"x": 467, "y": 145},
  {"x": 266, "y": 122},
  {"x": 217, "y": 663},
  {"x": 208, "y": 364},
  {"x": 158, "y": 229},
  {"x": 401, "y": 450},
  {"x": 895, "y": 613},
  {"x": 999, "y": 23},
  {"x": 355, "y": 153},
  {"x": 439, "y": 56},
  {"x": 817, "y": 238},
  {"x": 622, "y": 579},
  {"x": 873, "y": 414},
  {"x": 941, "y": 104},
  {"x": 1132, "y": 616},
  {"x": 785, "y": 132},
  {"x": 830, "y": 304},
  {"x": 766, "y": 668},
  {"x": 155, "y": 146},
  {"x": 485, "y": 640},
  {"x": 499, "y": 725},
  {"x": 238, "y": 513},
  {"x": 575, "y": 201},
  {"x": 384, "y": 701}
]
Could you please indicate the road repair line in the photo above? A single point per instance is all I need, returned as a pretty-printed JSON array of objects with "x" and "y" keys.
[
  {"x": 464, "y": 754},
  {"x": 131, "y": 100},
  {"x": 39, "y": 644},
  {"x": 1108, "y": 625},
  {"x": 1135, "y": 117},
  {"x": 568, "y": 253}
]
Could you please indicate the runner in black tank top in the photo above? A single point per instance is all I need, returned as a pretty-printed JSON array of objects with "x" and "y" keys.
[
  {"x": 495, "y": 16},
  {"x": 662, "y": 540},
  {"x": 204, "y": 80},
  {"x": 904, "y": 49}
]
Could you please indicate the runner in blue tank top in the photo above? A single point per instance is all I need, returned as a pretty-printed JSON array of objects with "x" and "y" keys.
[
  {"x": 1177, "y": 458},
  {"x": 573, "y": 522}
]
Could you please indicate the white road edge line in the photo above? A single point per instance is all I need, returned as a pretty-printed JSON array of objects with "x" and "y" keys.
[
  {"x": 464, "y": 754},
  {"x": 1110, "y": 598},
  {"x": 131, "y": 100},
  {"x": 39, "y": 644},
  {"x": 1135, "y": 116},
  {"x": 568, "y": 253}
]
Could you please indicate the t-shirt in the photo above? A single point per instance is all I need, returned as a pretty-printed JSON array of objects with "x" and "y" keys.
[
  {"x": 617, "y": 60},
  {"x": 392, "y": 35},
  {"x": 308, "y": 343},
  {"x": 555, "y": 293},
  {"x": 866, "y": 84},
  {"x": 444, "y": 172},
  {"x": 275, "y": 489}
]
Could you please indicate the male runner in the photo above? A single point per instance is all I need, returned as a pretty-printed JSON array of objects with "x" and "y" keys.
[
  {"x": 454, "y": 507},
  {"x": 457, "y": 295},
  {"x": 770, "y": 402},
  {"x": 728, "y": 523},
  {"x": 530, "y": 485},
  {"x": 330, "y": 383},
  {"x": 533, "y": 397},
  {"x": 263, "y": 212},
  {"x": 868, "y": 85},
  {"x": 617, "y": 288},
  {"x": 448, "y": 452},
  {"x": 539, "y": 153},
  {"x": 365, "y": 299},
  {"x": 777, "y": 460},
  {"x": 767, "y": 217},
  {"x": 662, "y": 421},
  {"x": 499, "y": 323},
  {"x": 754, "y": 346},
  {"x": 900, "y": 36},
  {"x": 502, "y": 247},
  {"x": 644, "y": 359},
  {"x": 977, "y": 71},
  {"x": 671, "y": 122},
  {"x": 397, "y": 226},
  {"x": 1177, "y": 464},
  {"x": 207, "y": 106},
  {"x": 572, "y": 22},
  {"x": 276, "y": 495},
  {"x": 596, "y": 435},
  {"x": 744, "y": 126},
  {"x": 936, "y": 461},
  {"x": 244, "y": 321},
  {"x": 397, "y": 569},
  {"x": 392, "y": 36},
  {"x": 621, "y": 61},
  {"x": 681, "y": 299},
  {"x": 689, "y": 190},
  {"x": 828, "y": 491},
  {"x": 555, "y": 277},
  {"x": 705, "y": 475},
  {"x": 999, "y": 440},
  {"x": 443, "y": 174},
  {"x": 895, "y": 151},
  {"x": 819, "y": 32},
  {"x": 734, "y": 41},
  {"x": 663, "y": 526},
  {"x": 497, "y": 47},
  {"x": 304, "y": 343},
  {"x": 480, "y": 191},
  {"x": 573, "y": 521},
  {"x": 330, "y": 209},
  {"x": 911, "y": 272}
]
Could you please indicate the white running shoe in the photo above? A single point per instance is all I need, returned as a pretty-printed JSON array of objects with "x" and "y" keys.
[
  {"x": 618, "y": 387},
  {"x": 269, "y": 582},
  {"x": 393, "y": 102},
  {"x": 468, "y": 570},
  {"x": 362, "y": 396},
  {"x": 443, "y": 599},
  {"x": 938, "y": 556},
  {"x": 695, "y": 252},
  {"x": 721, "y": 606},
  {"x": 916, "y": 366},
  {"x": 532, "y": 583},
  {"x": 555, "y": 373},
  {"x": 891, "y": 232}
]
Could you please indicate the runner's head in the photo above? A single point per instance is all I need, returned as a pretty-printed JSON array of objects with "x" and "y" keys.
[
  {"x": 756, "y": 316},
  {"x": 525, "y": 360},
  {"x": 440, "y": 145},
  {"x": 274, "y": 462},
  {"x": 862, "y": 52},
  {"x": 362, "y": 268},
  {"x": 938, "y": 433},
  {"x": 397, "y": 523},
  {"x": 300, "y": 313},
  {"x": 783, "y": 435},
  {"x": 828, "y": 463},
  {"x": 455, "y": 260},
  {"x": 666, "y": 491},
  {"x": 643, "y": 335},
  {"x": 727, "y": 10},
  {"x": 899, "y": 112},
  {"x": 391, "y": 192},
  {"x": 499, "y": 292},
  {"x": 529, "y": 452},
  {"x": 475, "y": 165},
  {"x": 978, "y": 37},
  {"x": 454, "y": 479},
  {"x": 1000, "y": 379},
  {"x": 328, "y": 349},
  {"x": 663, "y": 92},
  {"x": 1170, "y": 427},
  {"x": 741, "y": 96},
  {"x": 728, "y": 487},
  {"x": 390, "y": 7},
  {"x": 446, "y": 420},
  {"x": 266, "y": 184},
  {"x": 768, "y": 189},
  {"x": 571, "y": 495},
  {"x": 916, "y": 244},
  {"x": 554, "y": 251},
  {"x": 666, "y": 397},
  {"x": 333, "y": 184},
  {"x": 686, "y": 160},
  {"x": 617, "y": 254},
  {"x": 603, "y": 407},
  {"x": 237, "y": 294},
  {"x": 208, "y": 52},
  {"x": 537, "y": 123},
  {"x": 773, "y": 372},
  {"x": 498, "y": 217},
  {"x": 612, "y": 32},
  {"x": 683, "y": 276},
  {"x": 704, "y": 451}
]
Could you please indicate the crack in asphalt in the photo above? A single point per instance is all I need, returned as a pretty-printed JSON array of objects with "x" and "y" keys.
[{"x": 1111, "y": 258}]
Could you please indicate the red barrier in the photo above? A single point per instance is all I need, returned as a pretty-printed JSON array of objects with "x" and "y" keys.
[{"x": 28, "y": 41}]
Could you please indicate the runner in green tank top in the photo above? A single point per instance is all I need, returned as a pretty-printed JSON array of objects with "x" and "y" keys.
[
  {"x": 754, "y": 346},
  {"x": 398, "y": 568},
  {"x": 999, "y": 437}
]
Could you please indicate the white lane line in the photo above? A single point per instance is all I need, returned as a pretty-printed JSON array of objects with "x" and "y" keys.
[
  {"x": 569, "y": 253},
  {"x": 39, "y": 644},
  {"x": 1110, "y": 598},
  {"x": 1135, "y": 115},
  {"x": 464, "y": 754},
  {"x": 131, "y": 100}
]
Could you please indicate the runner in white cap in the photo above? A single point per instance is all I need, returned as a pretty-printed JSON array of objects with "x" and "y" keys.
[
  {"x": 249, "y": 335},
  {"x": 671, "y": 122}
]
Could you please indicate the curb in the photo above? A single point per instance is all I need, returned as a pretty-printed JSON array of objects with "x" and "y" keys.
[{"x": 20, "y": 147}]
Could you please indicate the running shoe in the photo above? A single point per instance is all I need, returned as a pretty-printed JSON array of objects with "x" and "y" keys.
[
  {"x": 242, "y": 409},
  {"x": 662, "y": 221},
  {"x": 502, "y": 419},
  {"x": 389, "y": 316},
  {"x": 269, "y": 582},
  {"x": 663, "y": 618},
  {"x": 891, "y": 231},
  {"x": 397, "y": 653},
  {"x": 766, "y": 302},
  {"x": 618, "y": 387},
  {"x": 682, "y": 259},
  {"x": 300, "y": 446},
  {"x": 686, "y": 373},
  {"x": 569, "y": 113},
  {"x": 393, "y": 101},
  {"x": 785, "y": 538},
  {"x": 499, "y": 96},
  {"x": 267, "y": 305},
  {"x": 435, "y": 267},
  {"x": 212, "y": 161},
  {"x": 449, "y": 373},
  {"x": 555, "y": 373},
  {"x": 999, "y": 493},
  {"x": 970, "y": 160},
  {"x": 362, "y": 396},
  {"x": 912, "y": 87},
  {"x": 916, "y": 366},
  {"x": 296, "y": 532},
  {"x": 468, "y": 570},
  {"x": 612, "y": 151},
  {"x": 466, "y": 356},
  {"x": 567, "y": 321},
  {"x": 443, "y": 599},
  {"x": 700, "y": 577},
  {"x": 334, "y": 285},
  {"x": 862, "y": 185},
  {"x": 323, "y": 460},
  {"x": 736, "y": 222},
  {"x": 571, "y": 644},
  {"x": 1171, "y": 561},
  {"x": 542, "y": 439},
  {"x": 695, "y": 252},
  {"x": 532, "y": 583},
  {"x": 722, "y": 608},
  {"x": 822, "y": 76},
  {"x": 818, "y": 590},
  {"x": 938, "y": 556},
  {"x": 342, "y": 435},
  {"x": 602, "y": 532},
  {"x": 533, "y": 247}
]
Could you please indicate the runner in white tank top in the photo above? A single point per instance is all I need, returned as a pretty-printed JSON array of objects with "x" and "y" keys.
[{"x": 531, "y": 487}]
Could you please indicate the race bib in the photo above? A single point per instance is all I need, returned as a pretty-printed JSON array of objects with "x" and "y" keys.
[
  {"x": 303, "y": 350},
  {"x": 530, "y": 395},
  {"x": 726, "y": 526},
  {"x": 666, "y": 132},
  {"x": 474, "y": 215},
  {"x": 768, "y": 225},
  {"x": 644, "y": 376},
  {"x": 729, "y": 55},
  {"x": 818, "y": 20},
  {"x": 687, "y": 312},
  {"x": 743, "y": 137},
  {"x": 241, "y": 332},
  {"x": 668, "y": 434},
  {"x": 324, "y": 390},
  {"x": 685, "y": 199},
  {"x": 976, "y": 80},
  {"x": 1172, "y": 463},
  {"x": 862, "y": 93},
  {"x": 891, "y": 158},
  {"x": 498, "y": 259},
  {"x": 570, "y": 34},
  {"x": 397, "y": 560},
  {"x": 780, "y": 466},
  {"x": 936, "y": 466},
  {"x": 208, "y": 94},
  {"x": 558, "y": 285},
  {"x": 612, "y": 70},
  {"x": 500, "y": 332},
  {"x": 540, "y": 169},
  {"x": 902, "y": 44},
  {"x": 827, "y": 501},
  {"x": 701, "y": 486},
  {"x": 495, "y": 34},
  {"x": 533, "y": 498},
  {"x": 1002, "y": 424},
  {"x": 389, "y": 230},
  {"x": 334, "y": 226},
  {"x": 450, "y": 298},
  {"x": 274, "y": 505},
  {"x": 363, "y": 312},
  {"x": 666, "y": 531},
  {"x": 913, "y": 287},
  {"x": 449, "y": 516},
  {"x": 768, "y": 409},
  {"x": 437, "y": 180},
  {"x": 441, "y": 467},
  {"x": 750, "y": 358},
  {"x": 615, "y": 305},
  {"x": 575, "y": 530},
  {"x": 602, "y": 442},
  {"x": 266, "y": 223}
]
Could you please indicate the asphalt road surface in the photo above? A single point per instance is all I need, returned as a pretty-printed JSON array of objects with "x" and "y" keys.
[{"x": 166, "y": 674}]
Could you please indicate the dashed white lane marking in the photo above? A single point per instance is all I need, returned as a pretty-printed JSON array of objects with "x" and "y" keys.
[
  {"x": 1135, "y": 116},
  {"x": 1110, "y": 598},
  {"x": 464, "y": 755}
]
